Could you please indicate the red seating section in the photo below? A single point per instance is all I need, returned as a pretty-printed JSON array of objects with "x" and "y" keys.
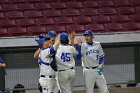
[{"x": 33, "y": 17}]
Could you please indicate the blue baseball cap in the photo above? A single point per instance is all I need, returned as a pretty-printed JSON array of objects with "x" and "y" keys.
[
  {"x": 42, "y": 40},
  {"x": 64, "y": 36},
  {"x": 88, "y": 32},
  {"x": 52, "y": 33}
]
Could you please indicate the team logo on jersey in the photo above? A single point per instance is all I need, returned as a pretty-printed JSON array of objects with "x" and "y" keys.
[{"x": 92, "y": 52}]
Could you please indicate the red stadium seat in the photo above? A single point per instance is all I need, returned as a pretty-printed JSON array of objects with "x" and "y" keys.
[
  {"x": 35, "y": 30},
  {"x": 59, "y": 5},
  {"x": 107, "y": 3},
  {"x": 96, "y": 27},
  {"x": 83, "y": 20},
  {"x": 34, "y": 1},
  {"x": 137, "y": 8},
  {"x": 64, "y": 20},
  {"x": 126, "y": 10},
  {"x": 71, "y": 12},
  {"x": 7, "y": 23},
  {"x": 136, "y": 17},
  {"x": 14, "y": 14},
  {"x": 57, "y": 28},
  {"x": 33, "y": 13},
  {"x": 114, "y": 27},
  {"x": 17, "y": 1},
  {"x": 75, "y": 27},
  {"x": 1, "y": 9},
  {"x": 120, "y": 18},
  {"x": 102, "y": 19},
  {"x": 25, "y": 22},
  {"x": 108, "y": 10},
  {"x": 90, "y": 12},
  {"x": 10, "y": 7},
  {"x": 42, "y": 6},
  {"x": 2, "y": 15},
  {"x": 132, "y": 26},
  {"x": 4, "y": 1},
  {"x": 45, "y": 21},
  {"x": 52, "y": 13},
  {"x": 75, "y": 4},
  {"x": 49, "y": 0},
  {"x": 135, "y": 2},
  {"x": 122, "y": 2},
  {"x": 3, "y": 32},
  {"x": 91, "y": 4},
  {"x": 17, "y": 31},
  {"x": 24, "y": 7}
]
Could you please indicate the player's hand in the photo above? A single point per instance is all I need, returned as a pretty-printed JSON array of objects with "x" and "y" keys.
[
  {"x": 101, "y": 65},
  {"x": 72, "y": 35},
  {"x": 58, "y": 38},
  {"x": 79, "y": 41},
  {"x": 4, "y": 65}
]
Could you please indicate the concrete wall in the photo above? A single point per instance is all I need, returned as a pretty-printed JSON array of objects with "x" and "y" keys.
[{"x": 103, "y": 38}]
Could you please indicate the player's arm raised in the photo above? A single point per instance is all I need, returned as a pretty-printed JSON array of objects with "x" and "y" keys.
[
  {"x": 55, "y": 46},
  {"x": 71, "y": 37},
  {"x": 36, "y": 54},
  {"x": 57, "y": 42},
  {"x": 78, "y": 46}
]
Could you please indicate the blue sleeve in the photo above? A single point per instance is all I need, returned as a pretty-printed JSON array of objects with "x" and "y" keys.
[
  {"x": 101, "y": 60},
  {"x": 1, "y": 61},
  {"x": 78, "y": 48},
  {"x": 52, "y": 51}
]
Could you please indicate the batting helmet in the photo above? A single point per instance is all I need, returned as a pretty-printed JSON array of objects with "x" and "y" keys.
[
  {"x": 88, "y": 32},
  {"x": 52, "y": 33},
  {"x": 42, "y": 40}
]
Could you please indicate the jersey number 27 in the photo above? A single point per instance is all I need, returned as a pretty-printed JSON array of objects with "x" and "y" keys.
[{"x": 65, "y": 57}]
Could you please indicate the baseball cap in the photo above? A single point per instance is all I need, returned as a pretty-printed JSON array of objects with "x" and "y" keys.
[
  {"x": 64, "y": 36},
  {"x": 88, "y": 32},
  {"x": 42, "y": 40},
  {"x": 52, "y": 33}
]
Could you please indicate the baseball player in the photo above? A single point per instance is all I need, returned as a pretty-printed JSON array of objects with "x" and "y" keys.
[
  {"x": 66, "y": 64},
  {"x": 47, "y": 74},
  {"x": 52, "y": 35},
  {"x": 92, "y": 62},
  {"x": 2, "y": 64},
  {"x": 53, "y": 64}
]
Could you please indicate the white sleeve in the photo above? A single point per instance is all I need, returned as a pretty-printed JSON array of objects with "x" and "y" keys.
[{"x": 101, "y": 52}]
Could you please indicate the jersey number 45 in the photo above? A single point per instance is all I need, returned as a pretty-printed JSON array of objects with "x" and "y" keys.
[{"x": 65, "y": 57}]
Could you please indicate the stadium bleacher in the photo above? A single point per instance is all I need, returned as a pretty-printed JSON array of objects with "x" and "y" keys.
[{"x": 22, "y": 17}]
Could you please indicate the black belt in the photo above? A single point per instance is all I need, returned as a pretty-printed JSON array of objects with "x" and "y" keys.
[
  {"x": 92, "y": 67},
  {"x": 65, "y": 69},
  {"x": 48, "y": 76}
]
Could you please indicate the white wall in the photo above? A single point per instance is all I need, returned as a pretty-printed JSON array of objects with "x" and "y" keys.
[{"x": 103, "y": 38}]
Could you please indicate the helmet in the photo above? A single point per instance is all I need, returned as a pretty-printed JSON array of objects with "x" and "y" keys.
[
  {"x": 52, "y": 33},
  {"x": 88, "y": 32},
  {"x": 40, "y": 36},
  {"x": 40, "y": 41},
  {"x": 64, "y": 36}
]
